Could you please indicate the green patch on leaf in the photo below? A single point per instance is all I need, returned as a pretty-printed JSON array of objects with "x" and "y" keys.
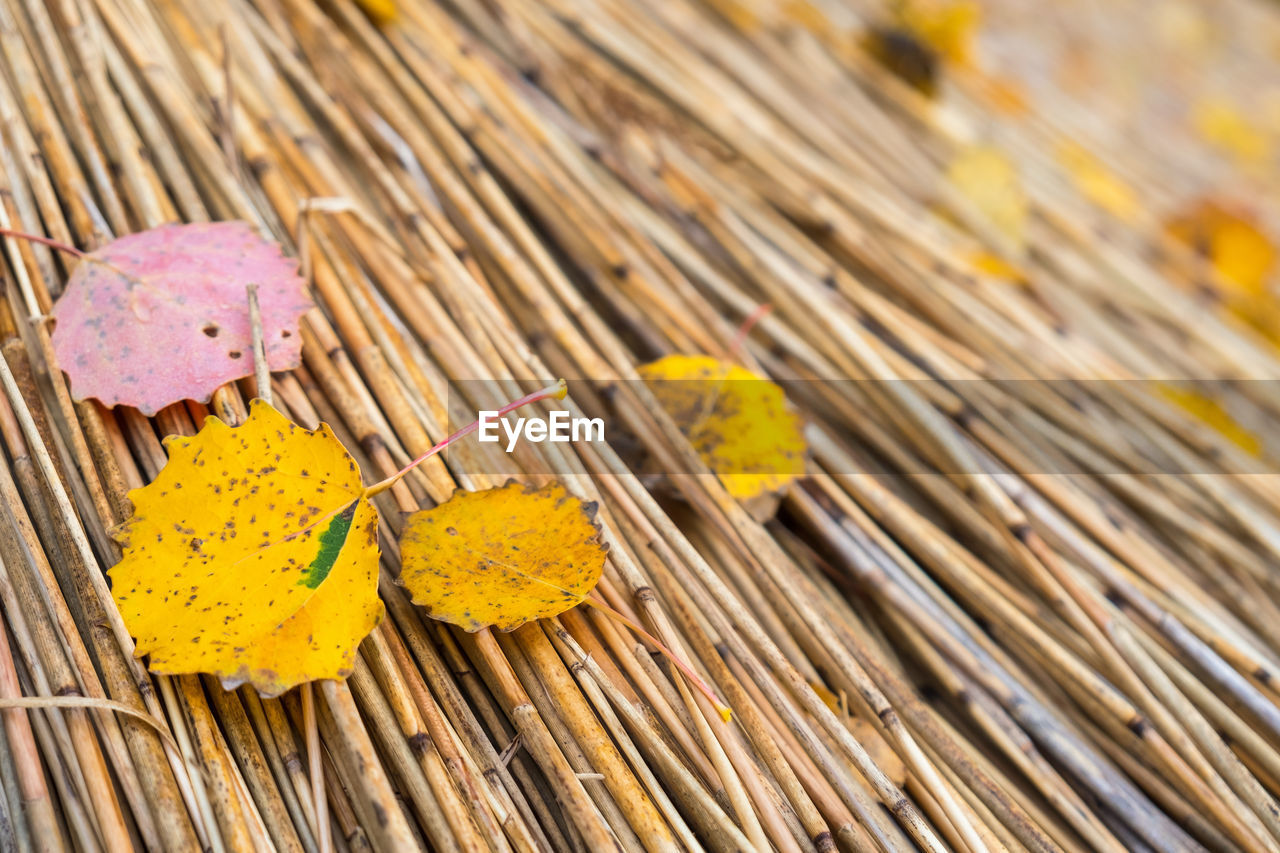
[{"x": 331, "y": 542}]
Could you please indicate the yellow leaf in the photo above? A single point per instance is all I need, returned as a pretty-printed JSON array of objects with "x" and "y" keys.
[
  {"x": 381, "y": 11},
  {"x": 992, "y": 264},
  {"x": 1238, "y": 250},
  {"x": 990, "y": 183},
  {"x": 253, "y": 556},
  {"x": 1096, "y": 182},
  {"x": 739, "y": 423},
  {"x": 1222, "y": 124},
  {"x": 503, "y": 556},
  {"x": 1212, "y": 414},
  {"x": 946, "y": 26}
]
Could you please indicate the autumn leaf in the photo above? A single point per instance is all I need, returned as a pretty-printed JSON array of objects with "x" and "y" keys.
[
  {"x": 252, "y": 556},
  {"x": 1096, "y": 182},
  {"x": 381, "y": 11},
  {"x": 989, "y": 263},
  {"x": 1221, "y": 123},
  {"x": 1212, "y": 414},
  {"x": 947, "y": 26},
  {"x": 503, "y": 556},
  {"x": 988, "y": 184},
  {"x": 1230, "y": 240},
  {"x": 162, "y": 316},
  {"x": 739, "y": 423}
]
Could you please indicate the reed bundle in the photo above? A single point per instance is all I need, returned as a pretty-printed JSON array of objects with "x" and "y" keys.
[{"x": 1021, "y": 601}]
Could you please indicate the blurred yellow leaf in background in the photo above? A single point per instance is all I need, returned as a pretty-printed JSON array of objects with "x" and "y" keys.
[
  {"x": 1212, "y": 414},
  {"x": 1242, "y": 255},
  {"x": 947, "y": 26},
  {"x": 1096, "y": 182},
  {"x": 1230, "y": 240},
  {"x": 381, "y": 11},
  {"x": 989, "y": 183},
  {"x": 1220, "y": 123},
  {"x": 989, "y": 263},
  {"x": 739, "y": 423}
]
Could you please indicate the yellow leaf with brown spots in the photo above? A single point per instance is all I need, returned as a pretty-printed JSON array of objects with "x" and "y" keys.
[
  {"x": 503, "y": 556},
  {"x": 739, "y": 423},
  {"x": 253, "y": 556}
]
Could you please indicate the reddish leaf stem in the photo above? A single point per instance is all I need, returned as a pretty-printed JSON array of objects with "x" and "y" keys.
[
  {"x": 557, "y": 391},
  {"x": 725, "y": 712},
  {"x": 740, "y": 337},
  {"x": 47, "y": 241}
]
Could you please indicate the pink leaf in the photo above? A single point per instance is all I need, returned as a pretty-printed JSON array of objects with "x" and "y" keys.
[{"x": 162, "y": 315}]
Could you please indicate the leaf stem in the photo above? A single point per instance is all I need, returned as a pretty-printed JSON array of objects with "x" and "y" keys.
[
  {"x": 47, "y": 241},
  {"x": 725, "y": 712},
  {"x": 740, "y": 337},
  {"x": 558, "y": 390}
]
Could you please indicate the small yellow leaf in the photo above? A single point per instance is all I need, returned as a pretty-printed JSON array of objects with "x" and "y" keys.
[
  {"x": 947, "y": 26},
  {"x": 381, "y": 11},
  {"x": 989, "y": 263},
  {"x": 503, "y": 556},
  {"x": 1096, "y": 182},
  {"x": 1230, "y": 240},
  {"x": 1222, "y": 124},
  {"x": 738, "y": 422},
  {"x": 990, "y": 183},
  {"x": 252, "y": 556},
  {"x": 1212, "y": 414}
]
